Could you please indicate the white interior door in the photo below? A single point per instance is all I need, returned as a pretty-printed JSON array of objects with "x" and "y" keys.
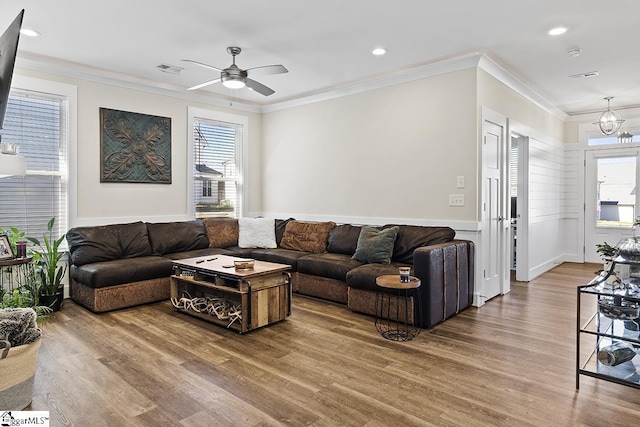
[
  {"x": 610, "y": 197},
  {"x": 495, "y": 224}
]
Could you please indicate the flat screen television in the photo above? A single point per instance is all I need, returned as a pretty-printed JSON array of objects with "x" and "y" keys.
[{"x": 8, "y": 50}]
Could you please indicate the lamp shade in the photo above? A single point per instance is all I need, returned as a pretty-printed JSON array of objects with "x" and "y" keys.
[{"x": 12, "y": 165}]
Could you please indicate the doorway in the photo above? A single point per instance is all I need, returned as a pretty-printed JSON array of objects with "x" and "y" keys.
[{"x": 519, "y": 205}]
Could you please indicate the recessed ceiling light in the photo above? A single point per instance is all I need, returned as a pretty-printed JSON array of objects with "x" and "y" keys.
[
  {"x": 557, "y": 31},
  {"x": 379, "y": 51},
  {"x": 29, "y": 33}
]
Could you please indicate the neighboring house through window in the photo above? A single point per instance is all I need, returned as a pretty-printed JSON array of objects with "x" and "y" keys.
[{"x": 217, "y": 165}]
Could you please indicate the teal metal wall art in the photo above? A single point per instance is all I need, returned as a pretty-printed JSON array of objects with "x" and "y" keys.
[{"x": 134, "y": 147}]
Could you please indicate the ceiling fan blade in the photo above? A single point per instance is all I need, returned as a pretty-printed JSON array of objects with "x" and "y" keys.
[
  {"x": 211, "y": 67},
  {"x": 267, "y": 69},
  {"x": 201, "y": 85},
  {"x": 259, "y": 87}
]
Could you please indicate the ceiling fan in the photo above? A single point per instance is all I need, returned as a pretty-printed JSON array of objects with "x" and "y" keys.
[{"x": 235, "y": 77}]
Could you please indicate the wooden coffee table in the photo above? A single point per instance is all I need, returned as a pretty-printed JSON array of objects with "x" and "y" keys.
[{"x": 212, "y": 289}]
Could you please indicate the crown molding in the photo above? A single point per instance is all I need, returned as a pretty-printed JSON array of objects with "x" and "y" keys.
[
  {"x": 499, "y": 73},
  {"x": 47, "y": 64},
  {"x": 421, "y": 72},
  {"x": 594, "y": 115},
  {"x": 473, "y": 60}
]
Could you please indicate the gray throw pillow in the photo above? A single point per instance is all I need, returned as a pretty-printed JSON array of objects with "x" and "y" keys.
[{"x": 375, "y": 246}]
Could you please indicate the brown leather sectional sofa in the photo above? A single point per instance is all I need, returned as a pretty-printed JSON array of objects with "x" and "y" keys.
[{"x": 123, "y": 265}]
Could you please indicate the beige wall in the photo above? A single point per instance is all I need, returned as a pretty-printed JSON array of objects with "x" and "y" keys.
[
  {"x": 108, "y": 202},
  {"x": 391, "y": 153},
  {"x": 498, "y": 97}
]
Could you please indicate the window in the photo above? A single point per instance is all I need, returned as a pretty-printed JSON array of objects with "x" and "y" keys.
[
  {"x": 217, "y": 168},
  {"x": 616, "y": 191},
  {"x": 37, "y": 123},
  {"x": 610, "y": 139}
]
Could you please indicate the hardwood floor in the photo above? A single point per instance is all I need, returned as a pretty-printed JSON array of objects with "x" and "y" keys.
[{"x": 508, "y": 363}]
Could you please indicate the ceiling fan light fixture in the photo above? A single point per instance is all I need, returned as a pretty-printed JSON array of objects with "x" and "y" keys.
[
  {"x": 609, "y": 121},
  {"x": 234, "y": 84}
]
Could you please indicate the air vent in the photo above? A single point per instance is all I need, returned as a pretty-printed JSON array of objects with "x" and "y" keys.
[
  {"x": 170, "y": 69},
  {"x": 587, "y": 74}
]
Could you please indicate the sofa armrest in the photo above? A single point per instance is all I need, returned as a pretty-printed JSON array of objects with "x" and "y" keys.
[{"x": 446, "y": 272}]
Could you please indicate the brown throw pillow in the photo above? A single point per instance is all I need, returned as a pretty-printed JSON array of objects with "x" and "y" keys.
[
  {"x": 307, "y": 236},
  {"x": 222, "y": 232}
]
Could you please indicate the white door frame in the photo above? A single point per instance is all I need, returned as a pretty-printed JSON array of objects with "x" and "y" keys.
[
  {"x": 502, "y": 243},
  {"x": 522, "y": 248}
]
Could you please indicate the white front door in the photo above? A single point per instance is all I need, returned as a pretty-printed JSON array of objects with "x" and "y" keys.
[
  {"x": 610, "y": 197},
  {"x": 495, "y": 259}
]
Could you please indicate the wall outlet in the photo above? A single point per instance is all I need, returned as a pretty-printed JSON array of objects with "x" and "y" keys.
[
  {"x": 460, "y": 181},
  {"x": 456, "y": 199}
]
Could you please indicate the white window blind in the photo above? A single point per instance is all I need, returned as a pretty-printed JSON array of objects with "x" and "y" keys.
[
  {"x": 217, "y": 173},
  {"x": 37, "y": 123}
]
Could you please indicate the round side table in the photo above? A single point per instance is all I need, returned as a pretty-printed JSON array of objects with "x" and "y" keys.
[
  {"x": 398, "y": 308},
  {"x": 17, "y": 268}
]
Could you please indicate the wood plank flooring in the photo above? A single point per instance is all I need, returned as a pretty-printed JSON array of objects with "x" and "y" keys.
[{"x": 508, "y": 363}]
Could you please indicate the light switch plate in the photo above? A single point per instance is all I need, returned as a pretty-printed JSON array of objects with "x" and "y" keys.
[
  {"x": 456, "y": 199},
  {"x": 460, "y": 181}
]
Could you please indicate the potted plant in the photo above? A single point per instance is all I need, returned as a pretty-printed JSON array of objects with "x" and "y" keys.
[
  {"x": 14, "y": 235},
  {"x": 49, "y": 270},
  {"x": 606, "y": 251}
]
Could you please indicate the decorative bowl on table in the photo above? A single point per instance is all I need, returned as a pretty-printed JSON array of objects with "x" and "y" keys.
[
  {"x": 629, "y": 248},
  {"x": 243, "y": 264}
]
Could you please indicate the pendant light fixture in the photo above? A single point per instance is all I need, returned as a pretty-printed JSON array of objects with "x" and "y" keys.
[
  {"x": 609, "y": 121},
  {"x": 625, "y": 137}
]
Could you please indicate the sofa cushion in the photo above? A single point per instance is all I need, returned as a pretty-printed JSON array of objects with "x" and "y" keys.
[
  {"x": 108, "y": 242},
  {"x": 119, "y": 271},
  {"x": 412, "y": 237},
  {"x": 199, "y": 252},
  {"x": 281, "y": 224},
  {"x": 343, "y": 239},
  {"x": 221, "y": 232},
  {"x": 329, "y": 265},
  {"x": 307, "y": 236},
  {"x": 257, "y": 233},
  {"x": 240, "y": 252},
  {"x": 279, "y": 255},
  {"x": 364, "y": 277},
  {"x": 171, "y": 237},
  {"x": 375, "y": 246}
]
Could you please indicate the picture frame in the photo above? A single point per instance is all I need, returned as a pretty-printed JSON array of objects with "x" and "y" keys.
[
  {"x": 5, "y": 248},
  {"x": 134, "y": 147}
]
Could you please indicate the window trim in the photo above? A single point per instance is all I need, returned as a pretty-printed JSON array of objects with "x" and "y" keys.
[
  {"x": 192, "y": 114},
  {"x": 70, "y": 93}
]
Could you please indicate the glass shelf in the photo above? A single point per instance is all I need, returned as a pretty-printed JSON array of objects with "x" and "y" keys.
[{"x": 600, "y": 331}]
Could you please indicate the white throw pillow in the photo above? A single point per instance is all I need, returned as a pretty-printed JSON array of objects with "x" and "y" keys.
[{"x": 257, "y": 233}]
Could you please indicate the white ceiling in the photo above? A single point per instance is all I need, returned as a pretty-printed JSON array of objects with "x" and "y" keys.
[{"x": 327, "y": 44}]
